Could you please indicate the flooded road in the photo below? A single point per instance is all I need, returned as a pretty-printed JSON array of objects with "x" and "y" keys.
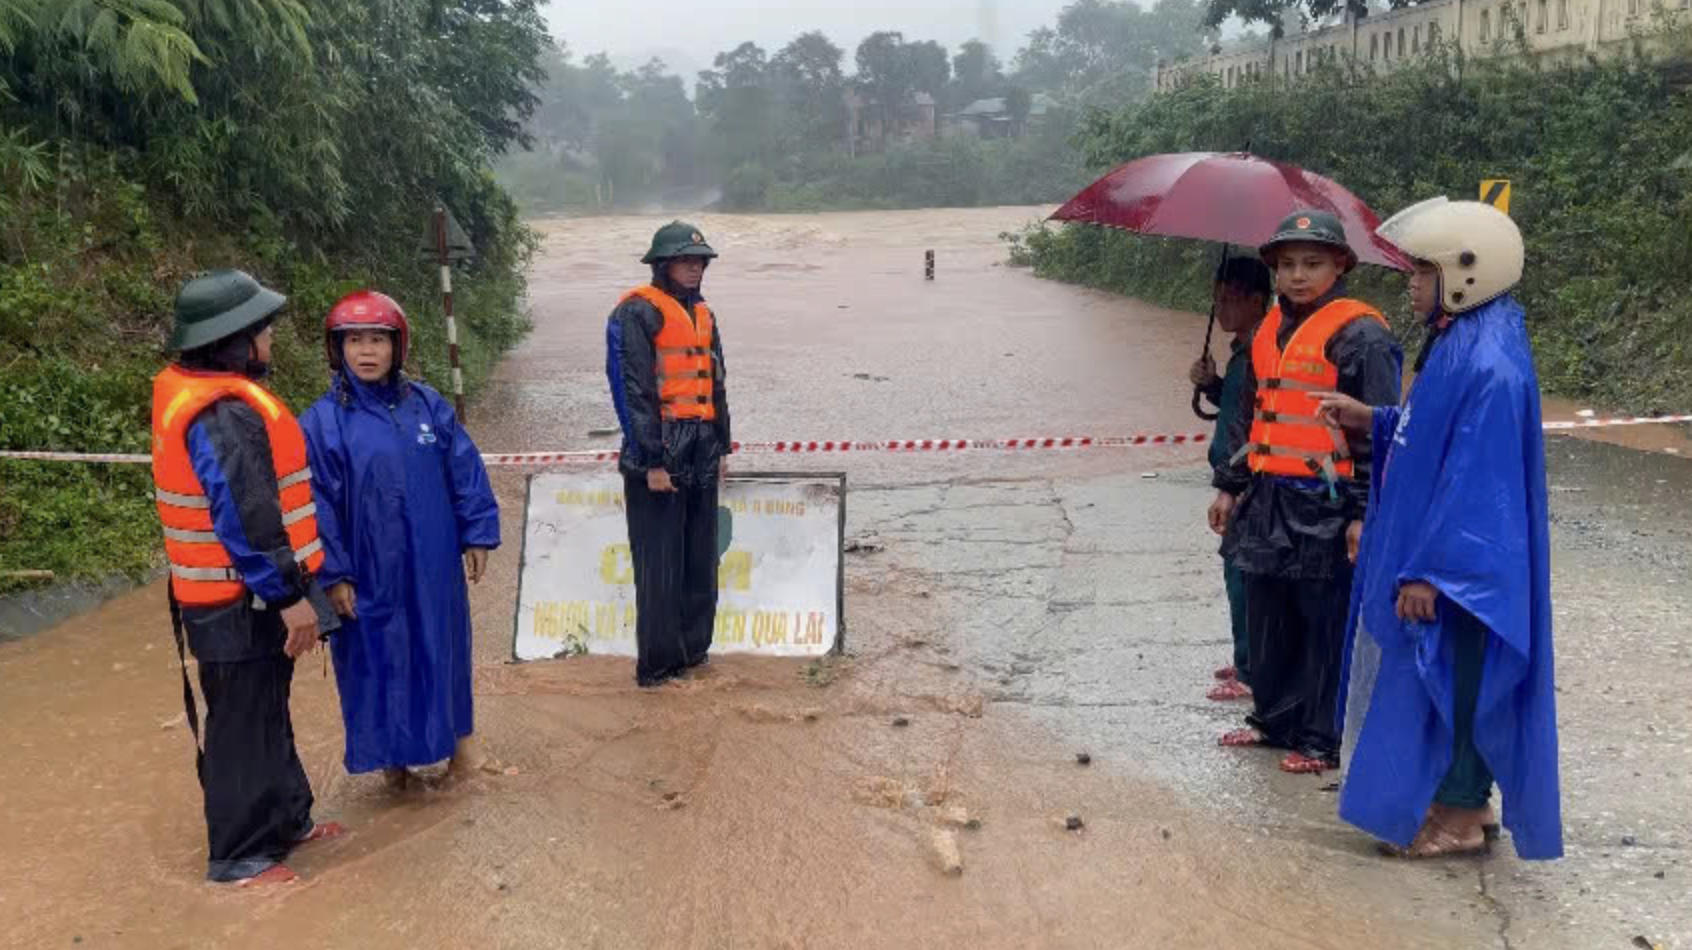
[
  {"x": 832, "y": 333},
  {"x": 1024, "y": 608}
]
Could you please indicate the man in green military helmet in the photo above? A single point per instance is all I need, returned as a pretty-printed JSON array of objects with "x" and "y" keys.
[
  {"x": 664, "y": 361},
  {"x": 234, "y": 497},
  {"x": 677, "y": 241},
  {"x": 1292, "y": 490}
]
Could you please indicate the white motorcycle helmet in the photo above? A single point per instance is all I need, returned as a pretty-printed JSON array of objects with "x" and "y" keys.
[{"x": 1476, "y": 247}]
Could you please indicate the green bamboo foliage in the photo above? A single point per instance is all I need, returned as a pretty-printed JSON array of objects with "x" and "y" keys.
[
  {"x": 302, "y": 140},
  {"x": 141, "y": 46}
]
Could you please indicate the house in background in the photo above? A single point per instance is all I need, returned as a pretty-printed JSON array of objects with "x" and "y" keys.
[
  {"x": 991, "y": 118},
  {"x": 870, "y": 128},
  {"x": 1549, "y": 29}
]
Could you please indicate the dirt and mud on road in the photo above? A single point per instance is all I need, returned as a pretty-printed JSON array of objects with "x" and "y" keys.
[{"x": 1021, "y": 609}]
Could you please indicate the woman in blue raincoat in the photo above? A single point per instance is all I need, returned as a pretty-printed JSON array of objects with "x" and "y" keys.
[
  {"x": 1450, "y": 666},
  {"x": 406, "y": 514}
]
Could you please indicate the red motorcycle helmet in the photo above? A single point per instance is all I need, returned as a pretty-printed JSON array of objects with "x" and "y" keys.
[{"x": 366, "y": 310}]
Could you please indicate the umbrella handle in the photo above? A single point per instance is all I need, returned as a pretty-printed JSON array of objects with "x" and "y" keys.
[
  {"x": 1198, "y": 394},
  {"x": 1198, "y": 406},
  {"x": 1209, "y": 331}
]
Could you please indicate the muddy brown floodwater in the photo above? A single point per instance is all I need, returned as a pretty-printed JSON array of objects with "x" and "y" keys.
[{"x": 765, "y": 803}]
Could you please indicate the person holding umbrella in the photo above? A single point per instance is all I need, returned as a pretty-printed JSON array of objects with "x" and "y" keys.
[
  {"x": 1291, "y": 496},
  {"x": 1294, "y": 490},
  {"x": 1240, "y": 298}
]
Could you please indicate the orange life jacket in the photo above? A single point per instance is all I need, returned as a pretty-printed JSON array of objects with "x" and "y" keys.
[
  {"x": 685, "y": 367},
  {"x": 201, "y": 571},
  {"x": 1286, "y": 437}
]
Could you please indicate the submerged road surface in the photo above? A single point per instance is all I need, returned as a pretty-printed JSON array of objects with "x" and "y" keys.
[{"x": 1022, "y": 608}]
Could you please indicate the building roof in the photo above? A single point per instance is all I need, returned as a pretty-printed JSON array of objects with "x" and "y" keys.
[
  {"x": 853, "y": 96},
  {"x": 1039, "y": 104}
]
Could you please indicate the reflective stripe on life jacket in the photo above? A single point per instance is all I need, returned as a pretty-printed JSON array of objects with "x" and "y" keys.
[
  {"x": 1286, "y": 436},
  {"x": 686, "y": 370},
  {"x": 201, "y": 571}
]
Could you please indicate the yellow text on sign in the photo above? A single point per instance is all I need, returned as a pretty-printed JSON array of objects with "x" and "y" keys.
[
  {"x": 590, "y": 499},
  {"x": 1496, "y": 192},
  {"x": 577, "y": 621},
  {"x": 616, "y": 567},
  {"x": 770, "y": 507},
  {"x": 764, "y": 628}
]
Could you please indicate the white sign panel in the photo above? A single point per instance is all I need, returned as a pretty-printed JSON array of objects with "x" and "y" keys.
[{"x": 778, "y": 584}]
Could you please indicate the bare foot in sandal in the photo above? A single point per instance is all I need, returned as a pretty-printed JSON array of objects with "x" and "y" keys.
[
  {"x": 1449, "y": 832},
  {"x": 1242, "y": 738},
  {"x": 1300, "y": 764},
  {"x": 275, "y": 874},
  {"x": 1228, "y": 691},
  {"x": 467, "y": 759},
  {"x": 323, "y": 831},
  {"x": 1468, "y": 825}
]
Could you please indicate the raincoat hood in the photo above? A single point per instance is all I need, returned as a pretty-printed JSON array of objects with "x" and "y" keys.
[{"x": 350, "y": 390}]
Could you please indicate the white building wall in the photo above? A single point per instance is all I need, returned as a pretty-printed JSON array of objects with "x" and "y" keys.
[{"x": 1385, "y": 40}]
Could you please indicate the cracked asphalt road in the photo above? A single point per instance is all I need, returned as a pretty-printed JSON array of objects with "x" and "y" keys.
[{"x": 1089, "y": 606}]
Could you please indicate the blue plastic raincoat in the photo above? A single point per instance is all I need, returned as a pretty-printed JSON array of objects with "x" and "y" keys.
[
  {"x": 401, "y": 494},
  {"x": 1459, "y": 503}
]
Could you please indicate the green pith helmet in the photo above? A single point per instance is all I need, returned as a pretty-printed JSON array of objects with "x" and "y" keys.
[
  {"x": 1310, "y": 227},
  {"x": 677, "y": 239},
  {"x": 220, "y": 304}
]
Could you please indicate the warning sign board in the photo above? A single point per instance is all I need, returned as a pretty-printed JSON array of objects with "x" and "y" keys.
[
  {"x": 779, "y": 583},
  {"x": 1496, "y": 192}
]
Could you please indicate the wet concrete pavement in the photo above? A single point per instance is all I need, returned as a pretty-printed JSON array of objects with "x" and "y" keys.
[
  {"x": 1024, "y": 607},
  {"x": 1098, "y": 619}
]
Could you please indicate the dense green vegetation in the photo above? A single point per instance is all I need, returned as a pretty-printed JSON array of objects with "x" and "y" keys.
[
  {"x": 144, "y": 140},
  {"x": 948, "y": 173},
  {"x": 1603, "y": 190},
  {"x": 772, "y": 130}
]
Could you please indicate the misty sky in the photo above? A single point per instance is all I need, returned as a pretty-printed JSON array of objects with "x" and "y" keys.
[{"x": 632, "y": 29}]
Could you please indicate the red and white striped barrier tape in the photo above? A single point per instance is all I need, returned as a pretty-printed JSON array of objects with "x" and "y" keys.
[
  {"x": 898, "y": 446},
  {"x": 907, "y": 446},
  {"x": 1621, "y": 421}
]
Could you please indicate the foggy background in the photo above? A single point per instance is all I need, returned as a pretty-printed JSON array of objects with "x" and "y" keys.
[{"x": 686, "y": 37}]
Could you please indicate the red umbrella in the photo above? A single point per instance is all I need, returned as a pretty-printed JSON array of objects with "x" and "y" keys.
[{"x": 1231, "y": 197}]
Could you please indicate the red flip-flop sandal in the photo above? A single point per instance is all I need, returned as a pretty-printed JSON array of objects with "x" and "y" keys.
[
  {"x": 1242, "y": 738},
  {"x": 323, "y": 831},
  {"x": 1228, "y": 691},
  {"x": 1300, "y": 764},
  {"x": 1228, "y": 672},
  {"x": 275, "y": 874}
]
